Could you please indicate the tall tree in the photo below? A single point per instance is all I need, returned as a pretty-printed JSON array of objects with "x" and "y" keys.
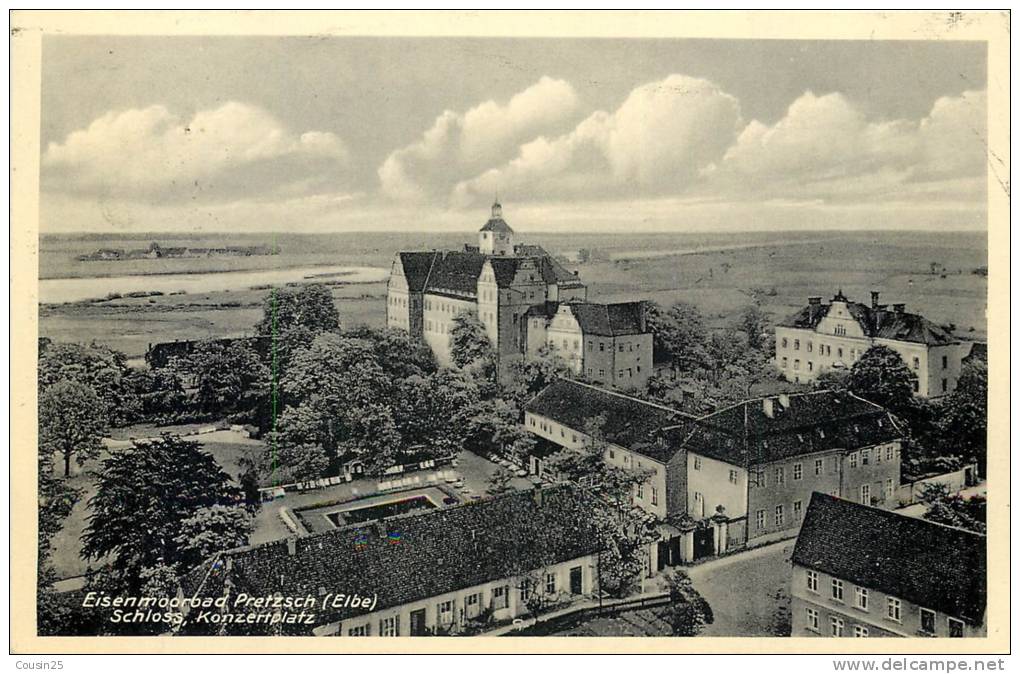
[
  {"x": 529, "y": 376},
  {"x": 211, "y": 530},
  {"x": 144, "y": 495},
  {"x": 757, "y": 327},
  {"x": 964, "y": 422},
  {"x": 56, "y": 500},
  {"x": 294, "y": 317},
  {"x": 397, "y": 354},
  {"x": 881, "y": 376},
  {"x": 231, "y": 377},
  {"x": 680, "y": 333},
  {"x": 428, "y": 410},
  {"x": 469, "y": 343},
  {"x": 72, "y": 421},
  {"x": 99, "y": 367}
]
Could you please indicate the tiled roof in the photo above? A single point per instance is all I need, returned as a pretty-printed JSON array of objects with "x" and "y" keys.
[
  {"x": 878, "y": 323},
  {"x": 928, "y": 564},
  {"x": 610, "y": 320},
  {"x": 496, "y": 225},
  {"x": 457, "y": 271},
  {"x": 416, "y": 556},
  {"x": 546, "y": 309},
  {"x": 629, "y": 422},
  {"x": 744, "y": 434},
  {"x": 416, "y": 267}
]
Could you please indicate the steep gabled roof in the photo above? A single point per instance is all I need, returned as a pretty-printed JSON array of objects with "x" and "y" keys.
[
  {"x": 934, "y": 566},
  {"x": 744, "y": 434},
  {"x": 496, "y": 225},
  {"x": 457, "y": 271},
  {"x": 416, "y": 266},
  {"x": 629, "y": 422},
  {"x": 880, "y": 323},
  {"x": 413, "y": 557}
]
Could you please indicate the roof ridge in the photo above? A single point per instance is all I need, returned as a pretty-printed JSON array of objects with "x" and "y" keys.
[
  {"x": 892, "y": 514},
  {"x": 624, "y": 395}
]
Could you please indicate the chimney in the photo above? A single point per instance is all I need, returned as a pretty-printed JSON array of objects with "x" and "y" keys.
[
  {"x": 874, "y": 299},
  {"x": 899, "y": 308},
  {"x": 768, "y": 407},
  {"x": 292, "y": 545},
  {"x": 784, "y": 401}
]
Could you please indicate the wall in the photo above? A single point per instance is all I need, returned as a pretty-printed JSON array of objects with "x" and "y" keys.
[
  {"x": 881, "y": 474},
  {"x": 875, "y": 618},
  {"x": 438, "y": 321},
  {"x": 712, "y": 481},
  {"x": 516, "y": 607},
  {"x": 564, "y": 337},
  {"x": 398, "y": 302},
  {"x": 632, "y": 361},
  {"x": 909, "y": 493},
  {"x": 790, "y": 492}
]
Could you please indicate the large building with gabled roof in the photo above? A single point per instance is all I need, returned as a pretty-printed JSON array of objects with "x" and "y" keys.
[
  {"x": 525, "y": 298},
  {"x": 860, "y": 571},
  {"x": 834, "y": 335}
]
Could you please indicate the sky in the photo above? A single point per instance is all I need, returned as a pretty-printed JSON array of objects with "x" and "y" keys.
[{"x": 320, "y": 134}]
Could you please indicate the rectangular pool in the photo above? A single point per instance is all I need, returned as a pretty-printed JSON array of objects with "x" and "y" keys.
[{"x": 380, "y": 510}]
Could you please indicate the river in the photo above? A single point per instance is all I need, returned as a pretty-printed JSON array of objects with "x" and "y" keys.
[{"x": 62, "y": 290}]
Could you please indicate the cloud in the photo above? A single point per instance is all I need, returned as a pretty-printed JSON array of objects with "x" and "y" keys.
[
  {"x": 459, "y": 145},
  {"x": 656, "y": 142},
  {"x": 825, "y": 147},
  {"x": 152, "y": 152}
]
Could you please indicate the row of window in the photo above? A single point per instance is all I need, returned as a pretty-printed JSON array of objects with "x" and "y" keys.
[
  {"x": 395, "y": 301},
  {"x": 779, "y": 516},
  {"x": 734, "y": 475},
  {"x": 862, "y": 602},
  {"x": 823, "y": 349}
]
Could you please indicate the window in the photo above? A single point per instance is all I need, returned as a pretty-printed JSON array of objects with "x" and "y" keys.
[
  {"x": 860, "y": 631},
  {"x": 389, "y": 627},
  {"x": 780, "y": 475},
  {"x": 866, "y": 494},
  {"x": 955, "y": 628},
  {"x": 612, "y": 453},
  {"x": 796, "y": 363},
  {"x": 621, "y": 348},
  {"x": 836, "y": 626},
  {"x": 697, "y": 463},
  {"x": 812, "y": 581},
  {"x": 359, "y": 631},
  {"x": 733, "y": 476},
  {"x": 785, "y": 362},
  {"x": 853, "y": 460},
  {"x": 500, "y": 597},
  {"x": 760, "y": 519},
  {"x": 945, "y": 362},
  {"x": 927, "y": 621},
  {"x": 445, "y": 611},
  {"x": 837, "y": 589},
  {"x": 861, "y": 598},
  {"x": 784, "y": 342},
  {"x": 889, "y": 451},
  {"x": 818, "y": 466},
  {"x": 865, "y": 456},
  {"x": 812, "y": 619},
  {"x": 917, "y": 363},
  {"x": 641, "y": 491},
  {"x": 798, "y": 506},
  {"x": 839, "y": 351},
  {"x": 893, "y": 606},
  {"x": 810, "y": 366},
  {"x": 839, "y": 330},
  {"x": 550, "y": 583},
  {"x": 655, "y": 496},
  {"x": 602, "y": 373},
  {"x": 917, "y": 386},
  {"x": 796, "y": 345},
  {"x": 602, "y": 346},
  {"x": 945, "y": 385},
  {"x": 779, "y": 515},
  {"x": 798, "y": 471},
  {"x": 589, "y": 345},
  {"x": 525, "y": 591},
  {"x": 889, "y": 488},
  {"x": 810, "y": 346}
]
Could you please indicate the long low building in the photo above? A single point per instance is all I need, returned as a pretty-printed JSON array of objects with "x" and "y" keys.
[
  {"x": 740, "y": 476},
  {"x": 860, "y": 571},
  {"x": 444, "y": 571}
]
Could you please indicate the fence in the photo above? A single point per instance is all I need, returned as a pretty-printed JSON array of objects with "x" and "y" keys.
[{"x": 909, "y": 493}]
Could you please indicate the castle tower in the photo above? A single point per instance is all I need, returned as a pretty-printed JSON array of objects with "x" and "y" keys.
[{"x": 496, "y": 237}]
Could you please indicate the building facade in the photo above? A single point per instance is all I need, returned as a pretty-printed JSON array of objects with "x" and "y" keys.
[
  {"x": 824, "y": 336},
  {"x": 849, "y": 578}
]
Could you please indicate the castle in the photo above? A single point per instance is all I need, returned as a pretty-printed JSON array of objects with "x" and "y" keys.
[{"x": 525, "y": 299}]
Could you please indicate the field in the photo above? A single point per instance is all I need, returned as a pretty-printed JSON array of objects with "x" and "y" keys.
[{"x": 712, "y": 271}]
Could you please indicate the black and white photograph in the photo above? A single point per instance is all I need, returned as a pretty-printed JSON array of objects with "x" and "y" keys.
[{"x": 656, "y": 339}]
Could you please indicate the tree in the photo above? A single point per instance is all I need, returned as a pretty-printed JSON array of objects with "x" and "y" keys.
[
  {"x": 428, "y": 411},
  {"x": 499, "y": 482},
  {"x": 679, "y": 333},
  {"x": 963, "y": 427},
  {"x": 881, "y": 376},
  {"x": 144, "y": 494},
  {"x": 688, "y": 611},
  {"x": 398, "y": 355},
  {"x": 294, "y": 317},
  {"x": 832, "y": 379},
  {"x": 492, "y": 427},
  {"x": 530, "y": 375},
  {"x": 230, "y": 378},
  {"x": 72, "y": 420},
  {"x": 469, "y": 342},
  {"x": 56, "y": 501},
  {"x": 954, "y": 509},
  {"x": 211, "y": 530},
  {"x": 757, "y": 327},
  {"x": 100, "y": 368}
]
